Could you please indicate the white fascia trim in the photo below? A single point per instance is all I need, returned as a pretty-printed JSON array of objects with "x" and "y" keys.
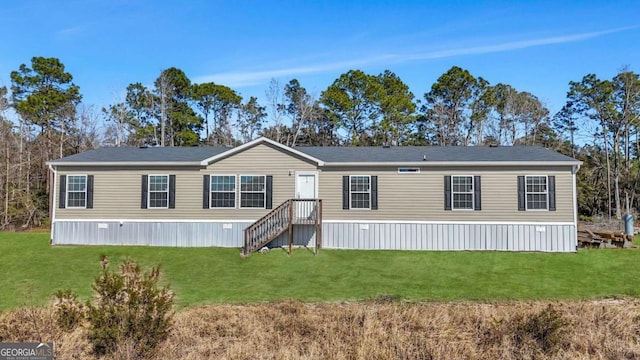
[
  {"x": 252, "y": 143},
  {"x": 326, "y": 221},
  {"x": 156, "y": 220},
  {"x": 447, "y": 222},
  {"x": 457, "y": 163},
  {"x": 53, "y": 204},
  {"x": 575, "y": 194},
  {"x": 126, "y": 163}
]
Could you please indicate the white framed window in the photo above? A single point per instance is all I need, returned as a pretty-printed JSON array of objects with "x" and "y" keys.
[
  {"x": 223, "y": 191},
  {"x": 158, "y": 192},
  {"x": 252, "y": 191},
  {"x": 76, "y": 192},
  {"x": 536, "y": 192},
  {"x": 462, "y": 190},
  {"x": 360, "y": 192}
]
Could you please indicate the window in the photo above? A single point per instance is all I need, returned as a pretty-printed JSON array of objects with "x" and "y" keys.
[
  {"x": 223, "y": 191},
  {"x": 76, "y": 191},
  {"x": 536, "y": 192},
  {"x": 219, "y": 191},
  {"x": 462, "y": 192},
  {"x": 252, "y": 191},
  {"x": 360, "y": 192},
  {"x": 158, "y": 191}
]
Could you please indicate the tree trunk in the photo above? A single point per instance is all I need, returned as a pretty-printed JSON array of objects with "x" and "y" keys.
[
  {"x": 6, "y": 183},
  {"x": 616, "y": 175},
  {"x": 606, "y": 154}
]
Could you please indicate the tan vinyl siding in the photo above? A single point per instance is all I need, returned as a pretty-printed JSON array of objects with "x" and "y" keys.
[
  {"x": 117, "y": 191},
  {"x": 259, "y": 160},
  {"x": 408, "y": 197},
  {"x": 420, "y": 197}
]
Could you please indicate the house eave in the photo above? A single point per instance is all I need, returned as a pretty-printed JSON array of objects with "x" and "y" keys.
[
  {"x": 329, "y": 164},
  {"x": 124, "y": 163},
  {"x": 454, "y": 163}
]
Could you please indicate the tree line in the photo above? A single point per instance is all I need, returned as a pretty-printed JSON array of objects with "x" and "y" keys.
[{"x": 599, "y": 124}]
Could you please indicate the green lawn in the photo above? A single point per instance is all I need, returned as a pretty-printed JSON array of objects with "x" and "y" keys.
[{"x": 32, "y": 270}]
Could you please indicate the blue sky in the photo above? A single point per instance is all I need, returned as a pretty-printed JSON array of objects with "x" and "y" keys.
[{"x": 534, "y": 46}]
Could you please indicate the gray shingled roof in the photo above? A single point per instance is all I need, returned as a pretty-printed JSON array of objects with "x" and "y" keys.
[
  {"x": 149, "y": 154},
  {"x": 333, "y": 154},
  {"x": 433, "y": 153}
]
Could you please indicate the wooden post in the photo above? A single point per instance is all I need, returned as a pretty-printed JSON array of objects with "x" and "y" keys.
[
  {"x": 317, "y": 219},
  {"x": 319, "y": 228},
  {"x": 290, "y": 225},
  {"x": 244, "y": 251}
]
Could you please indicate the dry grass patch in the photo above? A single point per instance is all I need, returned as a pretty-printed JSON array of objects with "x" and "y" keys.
[{"x": 604, "y": 329}]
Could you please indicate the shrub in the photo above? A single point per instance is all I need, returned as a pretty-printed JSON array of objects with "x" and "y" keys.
[
  {"x": 130, "y": 311},
  {"x": 68, "y": 311},
  {"x": 586, "y": 218}
]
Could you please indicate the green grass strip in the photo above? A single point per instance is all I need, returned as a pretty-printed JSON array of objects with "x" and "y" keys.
[{"x": 31, "y": 271}]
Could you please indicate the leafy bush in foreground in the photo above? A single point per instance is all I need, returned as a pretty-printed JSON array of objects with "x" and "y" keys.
[
  {"x": 129, "y": 313},
  {"x": 68, "y": 311}
]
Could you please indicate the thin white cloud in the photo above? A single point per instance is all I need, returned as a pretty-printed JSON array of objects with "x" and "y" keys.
[
  {"x": 239, "y": 79},
  {"x": 70, "y": 30},
  {"x": 249, "y": 78},
  {"x": 516, "y": 45}
]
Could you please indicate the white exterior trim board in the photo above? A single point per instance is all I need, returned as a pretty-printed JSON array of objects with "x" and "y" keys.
[
  {"x": 447, "y": 222},
  {"x": 326, "y": 221},
  {"x": 155, "y": 220}
]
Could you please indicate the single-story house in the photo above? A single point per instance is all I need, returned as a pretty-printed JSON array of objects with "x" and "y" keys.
[{"x": 520, "y": 198}]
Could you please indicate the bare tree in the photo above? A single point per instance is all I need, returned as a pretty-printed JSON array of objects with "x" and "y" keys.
[{"x": 276, "y": 107}]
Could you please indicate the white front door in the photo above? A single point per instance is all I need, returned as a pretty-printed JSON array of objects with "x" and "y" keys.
[
  {"x": 305, "y": 189},
  {"x": 305, "y": 186}
]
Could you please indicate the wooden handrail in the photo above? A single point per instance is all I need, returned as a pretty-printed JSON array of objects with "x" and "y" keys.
[
  {"x": 280, "y": 220},
  {"x": 266, "y": 227}
]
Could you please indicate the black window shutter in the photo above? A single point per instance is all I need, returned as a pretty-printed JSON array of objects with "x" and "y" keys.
[
  {"x": 89, "y": 192},
  {"x": 374, "y": 193},
  {"x": 447, "y": 192},
  {"x": 63, "y": 192},
  {"x": 552, "y": 193},
  {"x": 172, "y": 191},
  {"x": 206, "y": 183},
  {"x": 521, "y": 194},
  {"x": 477, "y": 196},
  {"x": 268, "y": 201},
  {"x": 345, "y": 192},
  {"x": 144, "y": 192}
]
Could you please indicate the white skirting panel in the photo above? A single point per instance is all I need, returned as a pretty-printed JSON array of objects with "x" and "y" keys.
[
  {"x": 181, "y": 234},
  {"x": 421, "y": 236},
  {"x": 335, "y": 235}
]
